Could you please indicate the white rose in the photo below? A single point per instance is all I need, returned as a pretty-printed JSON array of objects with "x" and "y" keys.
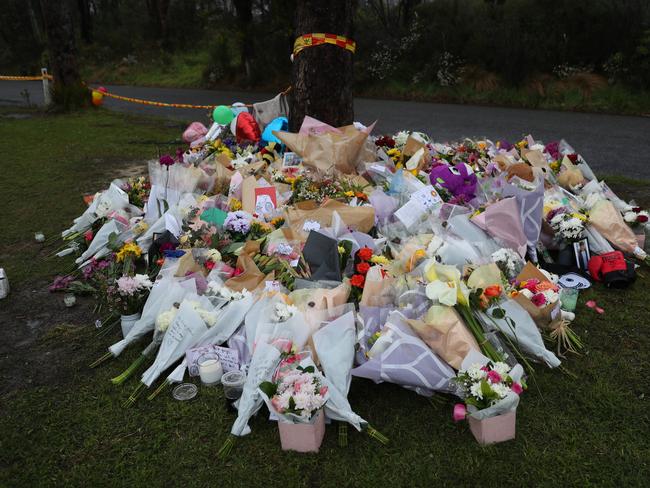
[{"x": 630, "y": 217}]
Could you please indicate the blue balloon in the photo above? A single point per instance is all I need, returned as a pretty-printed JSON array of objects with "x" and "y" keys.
[{"x": 279, "y": 123}]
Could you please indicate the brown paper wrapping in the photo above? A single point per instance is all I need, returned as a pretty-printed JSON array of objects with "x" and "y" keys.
[
  {"x": 248, "y": 194},
  {"x": 251, "y": 276},
  {"x": 542, "y": 316},
  {"x": 222, "y": 177},
  {"x": 358, "y": 218},
  {"x": 377, "y": 288},
  {"x": 446, "y": 334},
  {"x": 324, "y": 299},
  {"x": 328, "y": 151},
  {"x": 570, "y": 176},
  {"x": 187, "y": 264},
  {"x": 608, "y": 221},
  {"x": 536, "y": 158},
  {"x": 522, "y": 170}
]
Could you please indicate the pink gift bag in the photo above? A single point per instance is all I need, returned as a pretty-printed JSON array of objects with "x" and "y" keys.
[
  {"x": 303, "y": 437},
  {"x": 494, "y": 429}
]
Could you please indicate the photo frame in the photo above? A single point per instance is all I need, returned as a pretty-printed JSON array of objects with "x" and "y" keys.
[{"x": 582, "y": 255}]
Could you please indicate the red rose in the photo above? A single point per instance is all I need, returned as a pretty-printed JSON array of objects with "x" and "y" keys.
[
  {"x": 642, "y": 218},
  {"x": 572, "y": 157},
  {"x": 365, "y": 253},
  {"x": 210, "y": 265},
  {"x": 357, "y": 280},
  {"x": 363, "y": 267},
  {"x": 636, "y": 209}
]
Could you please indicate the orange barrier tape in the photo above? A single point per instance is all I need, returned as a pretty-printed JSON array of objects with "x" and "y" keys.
[
  {"x": 156, "y": 104},
  {"x": 310, "y": 40},
  {"x": 25, "y": 78},
  {"x": 163, "y": 104}
]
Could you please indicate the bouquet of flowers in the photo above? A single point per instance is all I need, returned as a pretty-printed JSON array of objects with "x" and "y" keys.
[
  {"x": 491, "y": 393},
  {"x": 485, "y": 385},
  {"x": 635, "y": 216},
  {"x": 131, "y": 292},
  {"x": 297, "y": 394}
]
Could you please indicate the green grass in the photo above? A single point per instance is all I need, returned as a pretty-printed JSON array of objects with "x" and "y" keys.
[
  {"x": 586, "y": 430},
  {"x": 178, "y": 70},
  {"x": 612, "y": 99},
  {"x": 50, "y": 162}
]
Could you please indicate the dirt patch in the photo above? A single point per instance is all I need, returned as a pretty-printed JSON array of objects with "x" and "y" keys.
[{"x": 40, "y": 336}]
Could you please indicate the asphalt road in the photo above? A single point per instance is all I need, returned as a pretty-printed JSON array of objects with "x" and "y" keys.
[{"x": 612, "y": 144}]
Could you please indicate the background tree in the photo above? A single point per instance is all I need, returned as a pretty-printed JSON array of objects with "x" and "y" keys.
[
  {"x": 68, "y": 91},
  {"x": 322, "y": 75}
]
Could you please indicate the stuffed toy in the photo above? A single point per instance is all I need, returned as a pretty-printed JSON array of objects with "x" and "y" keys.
[{"x": 459, "y": 180}]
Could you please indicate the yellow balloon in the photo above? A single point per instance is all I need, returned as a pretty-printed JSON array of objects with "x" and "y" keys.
[{"x": 97, "y": 98}]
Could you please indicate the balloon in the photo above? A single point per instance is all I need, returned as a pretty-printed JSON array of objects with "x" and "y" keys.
[
  {"x": 194, "y": 131},
  {"x": 97, "y": 98},
  {"x": 237, "y": 108},
  {"x": 279, "y": 123},
  {"x": 247, "y": 128},
  {"x": 222, "y": 115}
]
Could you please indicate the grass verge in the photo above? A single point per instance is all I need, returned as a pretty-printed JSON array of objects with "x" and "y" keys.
[{"x": 580, "y": 430}]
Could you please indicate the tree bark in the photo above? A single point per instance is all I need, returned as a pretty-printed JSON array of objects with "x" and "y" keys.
[
  {"x": 86, "y": 21},
  {"x": 158, "y": 17},
  {"x": 68, "y": 91},
  {"x": 244, "y": 9},
  {"x": 322, "y": 75}
]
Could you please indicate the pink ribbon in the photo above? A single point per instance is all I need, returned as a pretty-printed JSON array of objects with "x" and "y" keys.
[{"x": 460, "y": 412}]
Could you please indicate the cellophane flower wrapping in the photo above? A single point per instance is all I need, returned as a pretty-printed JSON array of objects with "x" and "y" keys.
[
  {"x": 334, "y": 343},
  {"x": 187, "y": 327},
  {"x": 98, "y": 247},
  {"x": 164, "y": 293},
  {"x": 111, "y": 200},
  {"x": 502, "y": 220},
  {"x": 531, "y": 205},
  {"x": 406, "y": 361},
  {"x": 519, "y": 326}
]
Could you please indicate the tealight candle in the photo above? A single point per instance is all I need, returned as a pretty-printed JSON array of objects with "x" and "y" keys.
[
  {"x": 69, "y": 299},
  {"x": 210, "y": 371}
]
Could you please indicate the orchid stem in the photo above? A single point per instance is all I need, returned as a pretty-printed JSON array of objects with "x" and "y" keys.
[
  {"x": 227, "y": 447},
  {"x": 343, "y": 435},
  {"x": 375, "y": 434},
  {"x": 134, "y": 396},
  {"x": 158, "y": 390},
  {"x": 101, "y": 360}
]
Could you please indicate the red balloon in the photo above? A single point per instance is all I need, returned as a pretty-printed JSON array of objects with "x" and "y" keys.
[{"x": 247, "y": 128}]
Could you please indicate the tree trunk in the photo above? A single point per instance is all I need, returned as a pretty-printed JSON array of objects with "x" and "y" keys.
[
  {"x": 86, "y": 21},
  {"x": 244, "y": 9},
  {"x": 158, "y": 17},
  {"x": 322, "y": 75},
  {"x": 68, "y": 91}
]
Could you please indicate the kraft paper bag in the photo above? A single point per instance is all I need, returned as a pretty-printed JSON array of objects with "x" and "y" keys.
[{"x": 541, "y": 315}]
